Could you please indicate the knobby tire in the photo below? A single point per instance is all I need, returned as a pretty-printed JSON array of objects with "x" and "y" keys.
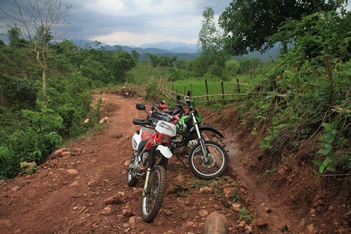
[
  {"x": 219, "y": 159},
  {"x": 152, "y": 202}
]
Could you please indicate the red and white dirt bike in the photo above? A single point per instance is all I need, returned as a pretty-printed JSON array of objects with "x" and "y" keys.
[{"x": 150, "y": 138}]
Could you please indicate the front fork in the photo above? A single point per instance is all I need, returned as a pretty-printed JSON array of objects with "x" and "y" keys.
[
  {"x": 200, "y": 138},
  {"x": 151, "y": 162}
]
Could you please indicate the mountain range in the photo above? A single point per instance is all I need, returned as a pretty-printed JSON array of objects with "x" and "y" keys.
[{"x": 182, "y": 50}]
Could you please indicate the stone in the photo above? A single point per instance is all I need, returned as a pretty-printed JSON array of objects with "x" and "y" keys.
[
  {"x": 216, "y": 223},
  {"x": 106, "y": 211},
  {"x": 229, "y": 192},
  {"x": 310, "y": 228},
  {"x": 66, "y": 154},
  {"x": 247, "y": 229},
  {"x": 113, "y": 200},
  {"x": 203, "y": 213},
  {"x": 75, "y": 183},
  {"x": 236, "y": 206},
  {"x": 206, "y": 189},
  {"x": 72, "y": 172}
]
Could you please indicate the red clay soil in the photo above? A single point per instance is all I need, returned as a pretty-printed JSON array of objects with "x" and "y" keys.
[{"x": 82, "y": 188}]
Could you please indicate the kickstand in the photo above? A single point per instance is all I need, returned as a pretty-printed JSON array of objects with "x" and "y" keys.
[{"x": 181, "y": 160}]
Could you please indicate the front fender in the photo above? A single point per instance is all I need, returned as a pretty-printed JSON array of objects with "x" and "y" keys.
[
  {"x": 165, "y": 151},
  {"x": 207, "y": 128}
]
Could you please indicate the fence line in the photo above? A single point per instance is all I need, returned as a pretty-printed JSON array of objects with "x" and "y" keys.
[{"x": 208, "y": 98}]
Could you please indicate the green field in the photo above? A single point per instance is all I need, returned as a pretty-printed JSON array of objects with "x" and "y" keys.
[{"x": 198, "y": 87}]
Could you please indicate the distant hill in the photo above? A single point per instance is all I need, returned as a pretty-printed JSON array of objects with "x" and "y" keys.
[
  {"x": 182, "y": 50},
  {"x": 175, "y": 47}
]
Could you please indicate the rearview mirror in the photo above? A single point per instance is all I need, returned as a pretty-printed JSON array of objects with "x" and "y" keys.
[{"x": 140, "y": 106}]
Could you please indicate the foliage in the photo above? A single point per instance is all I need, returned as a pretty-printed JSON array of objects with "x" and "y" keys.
[
  {"x": 211, "y": 61},
  {"x": 18, "y": 93},
  {"x": 329, "y": 140},
  {"x": 38, "y": 20},
  {"x": 248, "y": 24},
  {"x": 245, "y": 215},
  {"x": 319, "y": 34},
  {"x": 163, "y": 61}
]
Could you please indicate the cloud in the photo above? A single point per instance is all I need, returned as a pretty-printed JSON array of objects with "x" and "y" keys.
[{"x": 134, "y": 22}]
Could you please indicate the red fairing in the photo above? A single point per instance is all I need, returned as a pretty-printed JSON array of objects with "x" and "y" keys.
[
  {"x": 158, "y": 138},
  {"x": 163, "y": 107},
  {"x": 145, "y": 135}
]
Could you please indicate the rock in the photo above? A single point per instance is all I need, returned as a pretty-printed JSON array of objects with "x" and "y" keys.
[
  {"x": 247, "y": 229},
  {"x": 72, "y": 172},
  {"x": 132, "y": 220},
  {"x": 75, "y": 183},
  {"x": 16, "y": 188},
  {"x": 216, "y": 223},
  {"x": 66, "y": 154},
  {"x": 228, "y": 192},
  {"x": 113, "y": 200},
  {"x": 106, "y": 211},
  {"x": 189, "y": 224},
  {"x": 236, "y": 206},
  {"x": 203, "y": 213},
  {"x": 58, "y": 153},
  {"x": 206, "y": 189},
  {"x": 127, "y": 212},
  {"x": 76, "y": 151},
  {"x": 241, "y": 224},
  {"x": 26, "y": 165},
  {"x": 103, "y": 120},
  {"x": 310, "y": 228}
]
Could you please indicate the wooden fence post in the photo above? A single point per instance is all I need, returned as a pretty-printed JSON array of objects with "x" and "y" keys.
[
  {"x": 223, "y": 92},
  {"x": 238, "y": 86},
  {"x": 208, "y": 102}
]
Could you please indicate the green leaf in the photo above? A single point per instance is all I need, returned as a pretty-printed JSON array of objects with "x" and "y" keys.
[
  {"x": 318, "y": 163},
  {"x": 330, "y": 168},
  {"x": 321, "y": 169}
]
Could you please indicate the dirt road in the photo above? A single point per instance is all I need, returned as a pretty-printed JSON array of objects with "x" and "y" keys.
[{"x": 82, "y": 189}]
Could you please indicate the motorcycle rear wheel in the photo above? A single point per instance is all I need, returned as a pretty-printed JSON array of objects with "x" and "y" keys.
[
  {"x": 151, "y": 203},
  {"x": 216, "y": 164}
]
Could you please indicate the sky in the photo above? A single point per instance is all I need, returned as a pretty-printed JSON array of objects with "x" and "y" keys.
[{"x": 132, "y": 22}]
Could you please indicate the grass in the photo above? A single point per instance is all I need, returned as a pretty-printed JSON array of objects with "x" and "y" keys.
[{"x": 198, "y": 87}]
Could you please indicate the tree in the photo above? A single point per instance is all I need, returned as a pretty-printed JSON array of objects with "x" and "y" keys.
[
  {"x": 123, "y": 63},
  {"x": 135, "y": 55},
  {"x": 213, "y": 56},
  {"x": 154, "y": 59},
  {"x": 248, "y": 23},
  {"x": 37, "y": 19}
]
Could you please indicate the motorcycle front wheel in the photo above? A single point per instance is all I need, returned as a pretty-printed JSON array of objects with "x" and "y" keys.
[
  {"x": 152, "y": 201},
  {"x": 212, "y": 166}
]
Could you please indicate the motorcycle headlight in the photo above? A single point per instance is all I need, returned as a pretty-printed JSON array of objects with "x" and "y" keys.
[{"x": 165, "y": 139}]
